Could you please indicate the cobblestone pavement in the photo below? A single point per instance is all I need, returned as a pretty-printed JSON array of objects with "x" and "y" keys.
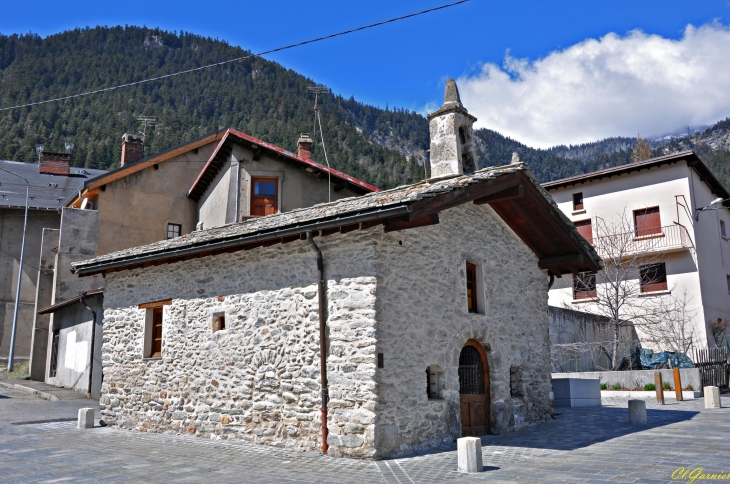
[{"x": 579, "y": 445}]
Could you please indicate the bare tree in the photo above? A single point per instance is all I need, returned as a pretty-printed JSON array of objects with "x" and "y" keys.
[
  {"x": 719, "y": 327},
  {"x": 675, "y": 330},
  {"x": 642, "y": 150},
  {"x": 632, "y": 266}
]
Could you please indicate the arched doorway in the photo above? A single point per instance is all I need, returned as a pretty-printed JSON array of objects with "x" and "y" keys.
[{"x": 474, "y": 389}]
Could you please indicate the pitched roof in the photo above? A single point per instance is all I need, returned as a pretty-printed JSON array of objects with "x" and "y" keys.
[
  {"x": 689, "y": 156},
  {"x": 223, "y": 151},
  {"x": 72, "y": 300},
  {"x": 511, "y": 191},
  {"x": 47, "y": 192}
]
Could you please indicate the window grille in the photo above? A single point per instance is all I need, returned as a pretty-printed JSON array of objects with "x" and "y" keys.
[{"x": 471, "y": 372}]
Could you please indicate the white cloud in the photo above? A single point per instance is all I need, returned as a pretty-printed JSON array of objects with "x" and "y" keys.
[{"x": 613, "y": 86}]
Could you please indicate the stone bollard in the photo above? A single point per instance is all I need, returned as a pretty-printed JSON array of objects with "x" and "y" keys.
[
  {"x": 469, "y": 451},
  {"x": 712, "y": 397},
  {"x": 637, "y": 412},
  {"x": 86, "y": 418}
]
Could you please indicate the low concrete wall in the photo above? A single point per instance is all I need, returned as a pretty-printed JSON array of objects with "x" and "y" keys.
[{"x": 638, "y": 378}]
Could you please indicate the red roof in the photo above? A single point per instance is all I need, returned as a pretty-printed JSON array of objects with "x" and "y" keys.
[{"x": 204, "y": 178}]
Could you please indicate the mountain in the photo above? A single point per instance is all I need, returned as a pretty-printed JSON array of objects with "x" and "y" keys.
[{"x": 385, "y": 147}]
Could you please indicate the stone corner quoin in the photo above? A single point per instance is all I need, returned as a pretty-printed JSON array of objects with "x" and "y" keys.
[{"x": 401, "y": 294}]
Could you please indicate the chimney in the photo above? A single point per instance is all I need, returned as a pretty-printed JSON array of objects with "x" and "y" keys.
[
  {"x": 54, "y": 163},
  {"x": 304, "y": 146},
  {"x": 132, "y": 148},
  {"x": 452, "y": 146}
]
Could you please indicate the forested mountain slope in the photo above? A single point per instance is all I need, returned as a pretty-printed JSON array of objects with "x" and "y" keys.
[{"x": 259, "y": 97}]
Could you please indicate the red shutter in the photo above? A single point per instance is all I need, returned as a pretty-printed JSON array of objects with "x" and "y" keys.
[
  {"x": 647, "y": 222},
  {"x": 585, "y": 229}
]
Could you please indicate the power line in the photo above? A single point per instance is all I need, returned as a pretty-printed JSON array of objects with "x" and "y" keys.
[{"x": 237, "y": 59}]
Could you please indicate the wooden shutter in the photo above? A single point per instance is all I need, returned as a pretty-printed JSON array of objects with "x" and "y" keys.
[
  {"x": 471, "y": 288},
  {"x": 157, "y": 332},
  {"x": 647, "y": 222},
  {"x": 585, "y": 229},
  {"x": 264, "y": 196},
  {"x": 653, "y": 277}
]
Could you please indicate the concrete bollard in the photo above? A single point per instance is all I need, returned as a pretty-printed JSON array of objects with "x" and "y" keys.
[
  {"x": 469, "y": 451},
  {"x": 637, "y": 412},
  {"x": 86, "y": 418},
  {"x": 712, "y": 397}
]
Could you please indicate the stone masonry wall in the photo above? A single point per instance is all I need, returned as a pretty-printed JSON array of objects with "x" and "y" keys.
[
  {"x": 257, "y": 380},
  {"x": 422, "y": 320}
]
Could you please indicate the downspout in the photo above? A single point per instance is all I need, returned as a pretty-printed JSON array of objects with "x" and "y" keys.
[
  {"x": 93, "y": 340},
  {"x": 552, "y": 281},
  {"x": 322, "y": 339}
]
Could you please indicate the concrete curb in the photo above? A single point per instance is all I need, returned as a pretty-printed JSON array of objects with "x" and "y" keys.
[{"x": 33, "y": 391}]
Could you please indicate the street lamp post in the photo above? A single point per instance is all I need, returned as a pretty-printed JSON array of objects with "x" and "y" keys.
[
  {"x": 11, "y": 354},
  {"x": 711, "y": 206}
]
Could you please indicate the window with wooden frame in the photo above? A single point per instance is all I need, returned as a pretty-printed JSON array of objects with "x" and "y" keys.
[
  {"x": 471, "y": 288},
  {"x": 647, "y": 222},
  {"x": 653, "y": 277},
  {"x": 585, "y": 228},
  {"x": 584, "y": 286},
  {"x": 174, "y": 231},
  {"x": 154, "y": 319},
  {"x": 577, "y": 201},
  {"x": 264, "y": 196}
]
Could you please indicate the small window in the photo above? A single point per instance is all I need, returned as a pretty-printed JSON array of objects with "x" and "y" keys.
[
  {"x": 515, "y": 382},
  {"x": 653, "y": 277},
  {"x": 584, "y": 286},
  {"x": 434, "y": 377},
  {"x": 471, "y": 287},
  {"x": 722, "y": 228},
  {"x": 219, "y": 322},
  {"x": 647, "y": 222},
  {"x": 264, "y": 196},
  {"x": 174, "y": 231},
  {"x": 578, "y": 201},
  {"x": 728, "y": 283},
  {"x": 153, "y": 327}
]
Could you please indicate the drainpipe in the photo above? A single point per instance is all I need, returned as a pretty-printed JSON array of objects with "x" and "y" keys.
[
  {"x": 322, "y": 338},
  {"x": 93, "y": 340},
  {"x": 552, "y": 281}
]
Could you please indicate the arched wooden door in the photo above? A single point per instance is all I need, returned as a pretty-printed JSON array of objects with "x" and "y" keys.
[{"x": 474, "y": 390}]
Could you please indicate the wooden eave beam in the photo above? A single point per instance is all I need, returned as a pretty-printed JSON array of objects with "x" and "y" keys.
[
  {"x": 506, "y": 194},
  {"x": 402, "y": 223}
]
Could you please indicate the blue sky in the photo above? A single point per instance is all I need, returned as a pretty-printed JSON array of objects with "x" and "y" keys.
[{"x": 405, "y": 64}]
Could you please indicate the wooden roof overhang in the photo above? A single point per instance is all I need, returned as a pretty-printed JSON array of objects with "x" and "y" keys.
[
  {"x": 92, "y": 187},
  {"x": 258, "y": 147},
  {"x": 513, "y": 196}
]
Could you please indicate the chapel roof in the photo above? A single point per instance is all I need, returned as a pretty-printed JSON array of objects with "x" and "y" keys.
[{"x": 511, "y": 190}]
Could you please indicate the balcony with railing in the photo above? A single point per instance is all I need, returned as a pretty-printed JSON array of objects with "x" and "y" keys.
[{"x": 651, "y": 240}]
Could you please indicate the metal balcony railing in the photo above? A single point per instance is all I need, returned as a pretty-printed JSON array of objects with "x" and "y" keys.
[{"x": 670, "y": 238}]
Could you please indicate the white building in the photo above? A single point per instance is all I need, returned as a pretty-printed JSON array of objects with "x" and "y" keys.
[{"x": 660, "y": 199}]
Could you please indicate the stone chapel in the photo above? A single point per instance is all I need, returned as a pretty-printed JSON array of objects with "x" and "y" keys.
[{"x": 369, "y": 327}]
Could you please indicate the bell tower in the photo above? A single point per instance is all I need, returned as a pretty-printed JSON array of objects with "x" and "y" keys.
[{"x": 452, "y": 146}]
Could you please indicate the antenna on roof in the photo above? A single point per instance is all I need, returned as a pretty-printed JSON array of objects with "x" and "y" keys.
[
  {"x": 317, "y": 90},
  {"x": 147, "y": 122}
]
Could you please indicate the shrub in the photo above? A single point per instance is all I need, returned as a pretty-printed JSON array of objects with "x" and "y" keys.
[
  {"x": 689, "y": 388},
  {"x": 666, "y": 386},
  {"x": 604, "y": 386},
  {"x": 616, "y": 386},
  {"x": 649, "y": 387}
]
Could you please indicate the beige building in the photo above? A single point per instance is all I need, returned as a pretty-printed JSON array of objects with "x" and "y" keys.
[
  {"x": 660, "y": 202},
  {"x": 209, "y": 182},
  {"x": 369, "y": 327}
]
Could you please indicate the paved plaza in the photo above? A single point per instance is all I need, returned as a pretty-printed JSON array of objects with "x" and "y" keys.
[{"x": 38, "y": 443}]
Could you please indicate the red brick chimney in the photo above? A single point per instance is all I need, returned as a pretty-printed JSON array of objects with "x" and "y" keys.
[
  {"x": 132, "y": 148},
  {"x": 54, "y": 163},
  {"x": 304, "y": 146}
]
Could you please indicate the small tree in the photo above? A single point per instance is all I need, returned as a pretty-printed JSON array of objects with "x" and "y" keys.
[
  {"x": 642, "y": 150},
  {"x": 627, "y": 265}
]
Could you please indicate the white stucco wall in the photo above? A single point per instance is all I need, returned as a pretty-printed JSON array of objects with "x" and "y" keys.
[{"x": 699, "y": 272}]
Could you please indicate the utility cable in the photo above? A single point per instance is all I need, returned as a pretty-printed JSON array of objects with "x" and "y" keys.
[{"x": 237, "y": 59}]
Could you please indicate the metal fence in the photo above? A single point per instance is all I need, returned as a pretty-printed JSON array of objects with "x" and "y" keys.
[
  {"x": 714, "y": 367},
  {"x": 670, "y": 237}
]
